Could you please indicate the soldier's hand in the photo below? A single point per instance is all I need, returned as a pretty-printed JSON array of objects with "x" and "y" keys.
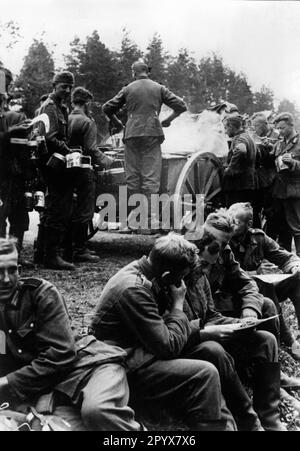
[
  {"x": 219, "y": 333},
  {"x": 287, "y": 159},
  {"x": 249, "y": 313},
  {"x": 107, "y": 161},
  {"x": 178, "y": 295},
  {"x": 20, "y": 130}
]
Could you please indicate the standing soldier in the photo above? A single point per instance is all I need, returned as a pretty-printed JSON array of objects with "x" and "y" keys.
[
  {"x": 286, "y": 191},
  {"x": 143, "y": 133},
  {"x": 83, "y": 133},
  {"x": 240, "y": 181},
  {"x": 60, "y": 191}
]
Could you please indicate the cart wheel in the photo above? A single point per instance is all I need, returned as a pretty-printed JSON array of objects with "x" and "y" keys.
[{"x": 202, "y": 174}]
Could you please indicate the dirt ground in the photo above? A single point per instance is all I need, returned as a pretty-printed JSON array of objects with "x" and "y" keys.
[{"x": 83, "y": 287}]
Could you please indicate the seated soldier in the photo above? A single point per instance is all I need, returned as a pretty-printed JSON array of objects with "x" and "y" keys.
[
  {"x": 215, "y": 340},
  {"x": 141, "y": 310},
  {"x": 38, "y": 355},
  {"x": 251, "y": 247}
]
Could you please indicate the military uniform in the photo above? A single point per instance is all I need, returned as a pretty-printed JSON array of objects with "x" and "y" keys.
[
  {"x": 38, "y": 354},
  {"x": 59, "y": 196},
  {"x": 143, "y": 133},
  {"x": 240, "y": 179},
  {"x": 257, "y": 247},
  {"x": 132, "y": 313},
  {"x": 13, "y": 190}
]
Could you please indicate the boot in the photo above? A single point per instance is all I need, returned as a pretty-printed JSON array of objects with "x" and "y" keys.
[
  {"x": 266, "y": 395},
  {"x": 53, "y": 260},
  {"x": 297, "y": 244},
  {"x": 81, "y": 253}
]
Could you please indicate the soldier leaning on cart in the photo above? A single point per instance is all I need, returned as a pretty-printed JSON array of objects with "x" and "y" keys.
[{"x": 143, "y": 133}]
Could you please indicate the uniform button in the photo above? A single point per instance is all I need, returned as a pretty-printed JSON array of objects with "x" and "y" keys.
[
  {"x": 10, "y": 331},
  {"x": 20, "y": 351},
  {"x": 32, "y": 325}
]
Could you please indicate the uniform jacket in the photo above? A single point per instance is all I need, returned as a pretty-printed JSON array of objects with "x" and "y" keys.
[
  {"x": 265, "y": 160},
  {"x": 143, "y": 99},
  {"x": 256, "y": 247},
  {"x": 4, "y": 143},
  {"x": 57, "y": 136},
  {"x": 231, "y": 287},
  {"x": 14, "y": 118},
  {"x": 287, "y": 181},
  {"x": 129, "y": 314},
  {"x": 82, "y": 131},
  {"x": 200, "y": 308},
  {"x": 40, "y": 348},
  {"x": 240, "y": 173}
]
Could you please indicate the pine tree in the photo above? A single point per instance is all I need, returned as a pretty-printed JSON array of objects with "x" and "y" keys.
[
  {"x": 157, "y": 59},
  {"x": 128, "y": 54}
]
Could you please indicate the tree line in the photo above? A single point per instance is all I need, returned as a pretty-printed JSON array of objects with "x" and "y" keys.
[{"x": 104, "y": 71}]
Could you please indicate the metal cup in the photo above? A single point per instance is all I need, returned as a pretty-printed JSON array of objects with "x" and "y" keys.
[
  {"x": 39, "y": 200},
  {"x": 28, "y": 198}
]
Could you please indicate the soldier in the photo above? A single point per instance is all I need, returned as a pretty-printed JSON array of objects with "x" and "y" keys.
[
  {"x": 38, "y": 356},
  {"x": 59, "y": 199},
  {"x": 83, "y": 134},
  {"x": 265, "y": 138},
  {"x": 143, "y": 133},
  {"x": 286, "y": 190},
  {"x": 239, "y": 182},
  {"x": 251, "y": 247}
]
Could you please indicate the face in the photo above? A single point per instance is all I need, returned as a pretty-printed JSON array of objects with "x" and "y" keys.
[
  {"x": 260, "y": 128},
  {"x": 9, "y": 275},
  {"x": 63, "y": 91},
  {"x": 284, "y": 129},
  {"x": 229, "y": 129},
  {"x": 206, "y": 260},
  {"x": 241, "y": 223}
]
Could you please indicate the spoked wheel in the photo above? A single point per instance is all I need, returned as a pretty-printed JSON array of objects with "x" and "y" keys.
[{"x": 199, "y": 184}]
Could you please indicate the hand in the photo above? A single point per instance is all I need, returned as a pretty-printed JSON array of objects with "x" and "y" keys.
[
  {"x": 20, "y": 130},
  {"x": 218, "y": 333},
  {"x": 107, "y": 161},
  {"x": 178, "y": 295},
  {"x": 249, "y": 313},
  {"x": 287, "y": 159},
  {"x": 115, "y": 125},
  {"x": 166, "y": 123}
]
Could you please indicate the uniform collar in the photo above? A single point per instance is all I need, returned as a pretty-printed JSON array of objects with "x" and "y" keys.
[
  {"x": 293, "y": 140},
  {"x": 250, "y": 239},
  {"x": 146, "y": 268}
]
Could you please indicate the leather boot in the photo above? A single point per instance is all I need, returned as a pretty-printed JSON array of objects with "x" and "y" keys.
[
  {"x": 297, "y": 244},
  {"x": 81, "y": 253},
  {"x": 53, "y": 260},
  {"x": 266, "y": 395}
]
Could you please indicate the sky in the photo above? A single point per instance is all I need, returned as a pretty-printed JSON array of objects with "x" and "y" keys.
[{"x": 259, "y": 38}]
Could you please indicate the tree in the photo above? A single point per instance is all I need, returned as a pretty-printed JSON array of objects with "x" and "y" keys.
[
  {"x": 183, "y": 77},
  {"x": 263, "y": 99},
  {"x": 157, "y": 59},
  {"x": 36, "y": 76},
  {"x": 128, "y": 54},
  {"x": 96, "y": 68}
]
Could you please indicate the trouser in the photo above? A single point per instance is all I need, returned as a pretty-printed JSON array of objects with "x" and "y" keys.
[
  {"x": 288, "y": 288},
  {"x": 245, "y": 195},
  {"x": 59, "y": 202},
  {"x": 143, "y": 163},
  {"x": 13, "y": 207},
  {"x": 185, "y": 387},
  {"x": 287, "y": 216},
  {"x": 102, "y": 403},
  {"x": 258, "y": 347}
]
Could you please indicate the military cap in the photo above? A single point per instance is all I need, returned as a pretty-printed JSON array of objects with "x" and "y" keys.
[
  {"x": 64, "y": 77},
  {"x": 81, "y": 95},
  {"x": 235, "y": 119},
  {"x": 139, "y": 66},
  {"x": 287, "y": 117}
]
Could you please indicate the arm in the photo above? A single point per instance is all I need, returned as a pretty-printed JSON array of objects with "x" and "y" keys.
[
  {"x": 162, "y": 337},
  {"x": 55, "y": 346},
  {"x": 59, "y": 145},
  {"x": 286, "y": 261},
  {"x": 115, "y": 104},
  {"x": 175, "y": 103},
  {"x": 239, "y": 283},
  {"x": 90, "y": 144}
]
